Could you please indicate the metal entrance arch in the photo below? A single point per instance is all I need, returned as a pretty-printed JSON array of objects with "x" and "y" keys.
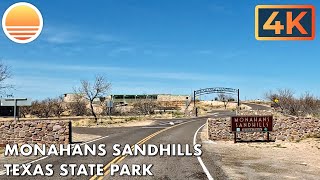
[{"x": 215, "y": 90}]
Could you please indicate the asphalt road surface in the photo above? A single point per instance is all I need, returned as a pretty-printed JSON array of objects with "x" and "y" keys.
[
  {"x": 181, "y": 131},
  {"x": 257, "y": 106}
]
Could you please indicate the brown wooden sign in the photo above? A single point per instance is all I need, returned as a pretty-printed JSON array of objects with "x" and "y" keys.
[{"x": 251, "y": 123}]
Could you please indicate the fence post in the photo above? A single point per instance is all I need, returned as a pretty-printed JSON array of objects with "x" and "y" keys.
[{"x": 70, "y": 132}]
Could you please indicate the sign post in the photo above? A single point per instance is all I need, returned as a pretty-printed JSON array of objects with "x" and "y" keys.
[
  {"x": 15, "y": 109},
  {"x": 251, "y": 124},
  {"x": 15, "y": 102},
  {"x": 109, "y": 106}
]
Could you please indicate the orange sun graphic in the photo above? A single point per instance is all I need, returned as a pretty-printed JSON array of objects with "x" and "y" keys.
[{"x": 22, "y": 22}]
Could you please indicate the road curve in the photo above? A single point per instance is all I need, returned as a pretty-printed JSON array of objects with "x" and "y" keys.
[{"x": 164, "y": 167}]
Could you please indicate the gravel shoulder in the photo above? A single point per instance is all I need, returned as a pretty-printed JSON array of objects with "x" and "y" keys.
[{"x": 276, "y": 160}]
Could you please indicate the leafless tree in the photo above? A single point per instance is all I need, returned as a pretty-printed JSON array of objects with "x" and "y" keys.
[
  {"x": 145, "y": 106},
  {"x": 36, "y": 108},
  {"x": 309, "y": 104},
  {"x": 4, "y": 75},
  {"x": 46, "y": 107},
  {"x": 271, "y": 96},
  {"x": 289, "y": 104},
  {"x": 93, "y": 91},
  {"x": 225, "y": 99},
  {"x": 286, "y": 100},
  {"x": 78, "y": 107},
  {"x": 24, "y": 110},
  {"x": 57, "y": 106},
  {"x": 40, "y": 108}
]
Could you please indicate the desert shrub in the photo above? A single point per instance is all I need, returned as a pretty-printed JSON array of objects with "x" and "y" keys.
[
  {"x": 177, "y": 114},
  {"x": 57, "y": 107},
  {"x": 145, "y": 106},
  {"x": 24, "y": 110},
  {"x": 306, "y": 104},
  {"x": 78, "y": 108},
  {"x": 41, "y": 108}
]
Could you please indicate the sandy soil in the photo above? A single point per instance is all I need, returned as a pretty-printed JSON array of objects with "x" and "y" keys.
[
  {"x": 111, "y": 123},
  {"x": 132, "y": 123},
  {"x": 216, "y": 105},
  {"x": 276, "y": 160}
]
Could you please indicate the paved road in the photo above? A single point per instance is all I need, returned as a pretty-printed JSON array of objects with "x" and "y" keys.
[
  {"x": 180, "y": 131},
  {"x": 257, "y": 106},
  {"x": 112, "y": 136}
]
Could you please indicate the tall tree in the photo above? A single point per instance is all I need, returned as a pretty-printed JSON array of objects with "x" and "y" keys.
[{"x": 91, "y": 92}]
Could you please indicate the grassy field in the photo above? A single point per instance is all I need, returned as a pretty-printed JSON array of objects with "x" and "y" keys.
[{"x": 1, "y": 150}]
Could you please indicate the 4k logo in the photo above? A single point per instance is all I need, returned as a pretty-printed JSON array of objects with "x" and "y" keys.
[{"x": 285, "y": 22}]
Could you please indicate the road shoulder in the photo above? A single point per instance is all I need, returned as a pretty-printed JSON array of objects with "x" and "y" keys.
[{"x": 274, "y": 160}]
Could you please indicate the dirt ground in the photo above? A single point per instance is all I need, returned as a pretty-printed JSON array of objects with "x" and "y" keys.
[
  {"x": 111, "y": 123},
  {"x": 276, "y": 160}
]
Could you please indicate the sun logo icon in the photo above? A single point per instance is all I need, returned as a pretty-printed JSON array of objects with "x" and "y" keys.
[{"x": 22, "y": 22}]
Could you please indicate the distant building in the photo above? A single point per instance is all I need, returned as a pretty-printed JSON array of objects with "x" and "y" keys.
[
  {"x": 156, "y": 97},
  {"x": 73, "y": 97},
  {"x": 125, "y": 98},
  {"x": 7, "y": 111},
  {"x": 70, "y": 97}
]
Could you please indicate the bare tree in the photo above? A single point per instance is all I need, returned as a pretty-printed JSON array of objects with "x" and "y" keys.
[
  {"x": 306, "y": 104},
  {"x": 91, "y": 92},
  {"x": 309, "y": 103},
  {"x": 40, "y": 108},
  {"x": 46, "y": 107},
  {"x": 36, "y": 108},
  {"x": 4, "y": 75},
  {"x": 225, "y": 99},
  {"x": 57, "y": 106},
  {"x": 271, "y": 96},
  {"x": 145, "y": 106},
  {"x": 24, "y": 110},
  {"x": 78, "y": 107},
  {"x": 286, "y": 100}
]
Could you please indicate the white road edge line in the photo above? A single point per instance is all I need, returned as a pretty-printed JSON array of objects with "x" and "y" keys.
[
  {"x": 154, "y": 127},
  {"x": 93, "y": 140},
  {"x": 199, "y": 158},
  {"x": 3, "y": 172}
]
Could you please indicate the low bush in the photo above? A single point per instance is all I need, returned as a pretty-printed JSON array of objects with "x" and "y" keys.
[{"x": 307, "y": 104}]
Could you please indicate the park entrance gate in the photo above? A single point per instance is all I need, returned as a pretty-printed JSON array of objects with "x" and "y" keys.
[{"x": 216, "y": 90}]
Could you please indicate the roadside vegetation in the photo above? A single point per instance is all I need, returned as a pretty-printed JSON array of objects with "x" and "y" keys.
[
  {"x": 5, "y": 74},
  {"x": 88, "y": 106},
  {"x": 90, "y": 92},
  {"x": 225, "y": 98},
  {"x": 286, "y": 101}
]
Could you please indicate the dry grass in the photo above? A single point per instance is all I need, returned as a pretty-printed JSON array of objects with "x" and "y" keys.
[
  {"x": 105, "y": 121},
  {"x": 1, "y": 150}
]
